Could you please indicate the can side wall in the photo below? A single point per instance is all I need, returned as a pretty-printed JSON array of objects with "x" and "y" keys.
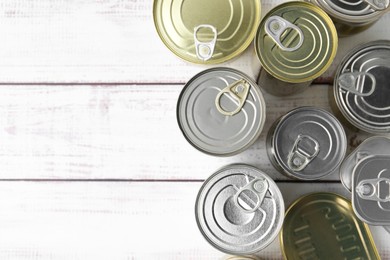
[{"x": 277, "y": 87}]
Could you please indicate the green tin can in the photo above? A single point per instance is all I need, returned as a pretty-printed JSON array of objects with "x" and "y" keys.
[
  {"x": 296, "y": 42},
  {"x": 324, "y": 226}
]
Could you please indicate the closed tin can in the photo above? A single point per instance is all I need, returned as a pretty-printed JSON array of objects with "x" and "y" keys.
[
  {"x": 323, "y": 226},
  {"x": 239, "y": 209},
  {"x": 221, "y": 111},
  {"x": 296, "y": 42},
  {"x": 353, "y": 16},
  {"x": 193, "y": 31},
  {"x": 307, "y": 143},
  {"x": 362, "y": 87},
  {"x": 246, "y": 257},
  {"x": 373, "y": 146},
  {"x": 371, "y": 190}
]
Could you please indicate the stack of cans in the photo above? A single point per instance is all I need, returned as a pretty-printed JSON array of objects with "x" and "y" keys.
[{"x": 221, "y": 112}]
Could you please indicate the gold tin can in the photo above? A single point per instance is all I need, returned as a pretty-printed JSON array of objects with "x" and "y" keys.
[
  {"x": 323, "y": 226},
  {"x": 296, "y": 42},
  {"x": 351, "y": 17},
  {"x": 206, "y": 31}
]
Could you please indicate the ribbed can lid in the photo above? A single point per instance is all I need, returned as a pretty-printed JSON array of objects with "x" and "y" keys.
[
  {"x": 206, "y": 31},
  {"x": 354, "y": 11},
  {"x": 239, "y": 209},
  {"x": 221, "y": 111},
  {"x": 371, "y": 189},
  {"x": 362, "y": 87},
  {"x": 308, "y": 143},
  {"x": 296, "y": 42}
]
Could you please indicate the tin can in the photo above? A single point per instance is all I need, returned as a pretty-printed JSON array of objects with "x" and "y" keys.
[
  {"x": 193, "y": 31},
  {"x": 353, "y": 16},
  {"x": 246, "y": 257},
  {"x": 239, "y": 209},
  {"x": 307, "y": 143},
  {"x": 323, "y": 226},
  {"x": 296, "y": 42},
  {"x": 373, "y": 146},
  {"x": 362, "y": 87},
  {"x": 221, "y": 111},
  {"x": 371, "y": 190}
]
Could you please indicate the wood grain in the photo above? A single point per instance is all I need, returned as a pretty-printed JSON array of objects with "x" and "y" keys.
[
  {"x": 117, "y": 132},
  {"x": 109, "y": 41},
  {"x": 111, "y": 220}
]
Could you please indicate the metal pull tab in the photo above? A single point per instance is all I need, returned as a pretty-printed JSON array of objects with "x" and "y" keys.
[
  {"x": 349, "y": 82},
  {"x": 276, "y": 25},
  {"x": 259, "y": 188},
  {"x": 205, "y": 50},
  {"x": 372, "y": 189},
  {"x": 299, "y": 158},
  {"x": 238, "y": 91},
  {"x": 378, "y": 4}
]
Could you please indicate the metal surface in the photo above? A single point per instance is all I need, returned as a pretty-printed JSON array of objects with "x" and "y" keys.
[
  {"x": 323, "y": 226},
  {"x": 296, "y": 42},
  {"x": 221, "y": 111},
  {"x": 192, "y": 30},
  {"x": 362, "y": 87},
  {"x": 377, "y": 145},
  {"x": 241, "y": 258},
  {"x": 239, "y": 209},
  {"x": 350, "y": 15},
  {"x": 371, "y": 190},
  {"x": 307, "y": 143}
]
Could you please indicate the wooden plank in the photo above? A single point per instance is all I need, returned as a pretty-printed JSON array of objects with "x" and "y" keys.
[
  {"x": 108, "y": 41},
  {"x": 117, "y": 220},
  {"x": 119, "y": 132}
]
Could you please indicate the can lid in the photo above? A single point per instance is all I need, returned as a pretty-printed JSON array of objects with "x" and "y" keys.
[
  {"x": 362, "y": 87},
  {"x": 309, "y": 143},
  {"x": 323, "y": 226},
  {"x": 192, "y": 30},
  {"x": 371, "y": 190},
  {"x": 296, "y": 42},
  {"x": 376, "y": 145},
  {"x": 354, "y": 11},
  {"x": 221, "y": 111},
  {"x": 239, "y": 209}
]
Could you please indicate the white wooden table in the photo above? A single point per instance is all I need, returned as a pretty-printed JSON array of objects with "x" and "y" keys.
[{"x": 92, "y": 162}]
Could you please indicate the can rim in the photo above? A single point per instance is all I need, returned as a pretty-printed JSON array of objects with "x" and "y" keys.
[
  {"x": 232, "y": 56},
  {"x": 357, "y": 213},
  {"x": 332, "y": 32},
  {"x": 346, "y": 18},
  {"x": 364, "y": 225},
  {"x": 262, "y": 115},
  {"x": 279, "y": 161},
  {"x": 353, "y": 120},
  {"x": 279, "y": 193}
]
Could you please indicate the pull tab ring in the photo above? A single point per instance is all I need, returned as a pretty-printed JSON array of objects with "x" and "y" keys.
[
  {"x": 238, "y": 91},
  {"x": 298, "y": 158},
  {"x": 349, "y": 81},
  {"x": 370, "y": 190},
  {"x": 205, "y": 50},
  {"x": 276, "y": 25},
  {"x": 259, "y": 188},
  {"x": 378, "y": 5}
]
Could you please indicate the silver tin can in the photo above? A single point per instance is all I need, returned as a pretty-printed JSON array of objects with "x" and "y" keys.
[
  {"x": 239, "y": 209},
  {"x": 362, "y": 87},
  {"x": 307, "y": 143},
  {"x": 353, "y": 16},
  {"x": 221, "y": 111},
  {"x": 376, "y": 145},
  {"x": 371, "y": 190}
]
